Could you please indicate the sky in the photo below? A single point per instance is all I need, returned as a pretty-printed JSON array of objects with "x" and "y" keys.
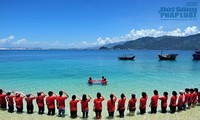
[{"x": 90, "y": 23}]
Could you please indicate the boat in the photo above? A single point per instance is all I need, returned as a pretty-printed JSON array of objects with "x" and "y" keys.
[
  {"x": 125, "y": 57},
  {"x": 196, "y": 55},
  {"x": 168, "y": 57}
]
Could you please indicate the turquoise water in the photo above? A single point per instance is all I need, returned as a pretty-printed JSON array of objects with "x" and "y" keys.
[{"x": 32, "y": 71}]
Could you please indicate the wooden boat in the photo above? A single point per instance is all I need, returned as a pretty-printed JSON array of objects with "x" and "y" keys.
[
  {"x": 196, "y": 55},
  {"x": 124, "y": 57},
  {"x": 168, "y": 57}
]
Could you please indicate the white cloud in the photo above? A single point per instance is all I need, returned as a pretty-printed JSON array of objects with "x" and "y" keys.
[
  {"x": 21, "y": 42},
  {"x": 191, "y": 30},
  {"x": 6, "y": 40},
  {"x": 135, "y": 34}
]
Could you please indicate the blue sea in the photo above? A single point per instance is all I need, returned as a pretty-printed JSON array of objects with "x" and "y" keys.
[{"x": 69, "y": 70}]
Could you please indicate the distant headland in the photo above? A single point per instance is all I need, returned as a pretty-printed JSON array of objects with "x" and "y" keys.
[{"x": 191, "y": 42}]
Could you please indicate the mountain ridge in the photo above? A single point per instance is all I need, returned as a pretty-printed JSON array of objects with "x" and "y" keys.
[{"x": 162, "y": 43}]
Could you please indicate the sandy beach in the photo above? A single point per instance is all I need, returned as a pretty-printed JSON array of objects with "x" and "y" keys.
[{"x": 189, "y": 114}]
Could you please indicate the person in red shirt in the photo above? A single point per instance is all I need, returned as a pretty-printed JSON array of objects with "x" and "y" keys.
[
  {"x": 164, "y": 102},
  {"x": 50, "y": 101},
  {"x": 121, "y": 105},
  {"x": 192, "y": 96},
  {"x": 154, "y": 102},
  {"x": 40, "y": 102},
  {"x": 180, "y": 100},
  {"x": 10, "y": 101},
  {"x": 2, "y": 99},
  {"x": 187, "y": 98},
  {"x": 19, "y": 101},
  {"x": 61, "y": 103},
  {"x": 111, "y": 105},
  {"x": 104, "y": 81},
  {"x": 90, "y": 81},
  {"x": 84, "y": 105},
  {"x": 172, "y": 104},
  {"x": 143, "y": 101},
  {"x": 29, "y": 100},
  {"x": 98, "y": 105},
  {"x": 73, "y": 106},
  {"x": 132, "y": 105},
  {"x": 195, "y": 97}
]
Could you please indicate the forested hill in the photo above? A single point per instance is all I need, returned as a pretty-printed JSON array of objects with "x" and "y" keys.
[{"x": 162, "y": 43}]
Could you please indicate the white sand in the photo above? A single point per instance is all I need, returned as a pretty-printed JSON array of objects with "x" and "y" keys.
[{"x": 190, "y": 114}]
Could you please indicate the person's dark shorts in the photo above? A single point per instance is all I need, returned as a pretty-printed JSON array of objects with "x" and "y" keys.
[{"x": 3, "y": 106}]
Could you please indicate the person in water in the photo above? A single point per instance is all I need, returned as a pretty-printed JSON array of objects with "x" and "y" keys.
[
  {"x": 103, "y": 81},
  {"x": 90, "y": 81},
  {"x": 3, "y": 99},
  {"x": 29, "y": 100},
  {"x": 61, "y": 103},
  {"x": 98, "y": 105},
  {"x": 19, "y": 101},
  {"x": 172, "y": 104},
  {"x": 154, "y": 102},
  {"x": 9, "y": 98},
  {"x": 121, "y": 105},
  {"x": 73, "y": 106},
  {"x": 111, "y": 105},
  {"x": 132, "y": 105},
  {"x": 164, "y": 102},
  {"x": 84, "y": 105},
  {"x": 40, "y": 102},
  {"x": 143, "y": 101},
  {"x": 50, "y": 101}
]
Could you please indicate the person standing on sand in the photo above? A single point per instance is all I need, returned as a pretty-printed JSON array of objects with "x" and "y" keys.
[
  {"x": 29, "y": 99},
  {"x": 50, "y": 101},
  {"x": 192, "y": 97},
  {"x": 111, "y": 105},
  {"x": 143, "y": 102},
  {"x": 195, "y": 97},
  {"x": 84, "y": 105},
  {"x": 187, "y": 98},
  {"x": 98, "y": 105},
  {"x": 19, "y": 101},
  {"x": 73, "y": 106},
  {"x": 154, "y": 102},
  {"x": 121, "y": 105},
  {"x": 2, "y": 99},
  {"x": 61, "y": 103},
  {"x": 164, "y": 102},
  {"x": 180, "y": 101},
  {"x": 172, "y": 104},
  {"x": 10, "y": 101},
  {"x": 40, "y": 102},
  {"x": 132, "y": 105}
]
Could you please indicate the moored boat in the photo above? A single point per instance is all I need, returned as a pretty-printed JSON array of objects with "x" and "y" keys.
[
  {"x": 196, "y": 55},
  {"x": 168, "y": 57},
  {"x": 125, "y": 57}
]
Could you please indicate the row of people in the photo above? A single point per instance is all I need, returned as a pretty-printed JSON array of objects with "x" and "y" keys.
[{"x": 185, "y": 99}]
